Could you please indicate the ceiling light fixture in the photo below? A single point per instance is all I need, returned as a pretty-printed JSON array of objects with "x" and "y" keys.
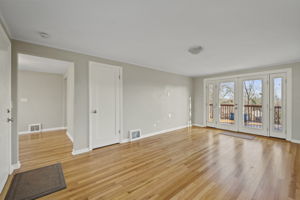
[
  {"x": 195, "y": 50},
  {"x": 44, "y": 35}
]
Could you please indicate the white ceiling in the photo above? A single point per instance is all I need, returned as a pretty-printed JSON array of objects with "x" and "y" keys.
[
  {"x": 39, "y": 64},
  {"x": 234, "y": 34}
]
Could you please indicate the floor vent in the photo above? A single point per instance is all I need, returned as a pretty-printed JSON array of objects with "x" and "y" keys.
[
  {"x": 135, "y": 134},
  {"x": 34, "y": 127}
]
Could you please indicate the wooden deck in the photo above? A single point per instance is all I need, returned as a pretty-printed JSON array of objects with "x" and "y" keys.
[{"x": 195, "y": 163}]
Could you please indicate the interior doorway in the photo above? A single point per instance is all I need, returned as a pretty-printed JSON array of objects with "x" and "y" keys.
[
  {"x": 253, "y": 103},
  {"x": 45, "y": 106}
]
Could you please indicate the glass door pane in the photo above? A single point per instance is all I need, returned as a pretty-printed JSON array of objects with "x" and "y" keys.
[
  {"x": 277, "y": 102},
  {"x": 211, "y": 102},
  {"x": 226, "y": 112},
  {"x": 252, "y": 103},
  {"x": 226, "y": 103}
]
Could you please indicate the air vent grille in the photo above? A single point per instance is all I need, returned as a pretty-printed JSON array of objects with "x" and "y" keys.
[
  {"x": 135, "y": 134},
  {"x": 34, "y": 127}
]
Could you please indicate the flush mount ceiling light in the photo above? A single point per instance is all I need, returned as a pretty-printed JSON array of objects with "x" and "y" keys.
[
  {"x": 195, "y": 50},
  {"x": 44, "y": 35}
]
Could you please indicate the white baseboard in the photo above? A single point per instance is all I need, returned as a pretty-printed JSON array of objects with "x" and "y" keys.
[
  {"x": 80, "y": 151},
  {"x": 14, "y": 167},
  {"x": 125, "y": 140},
  {"x": 69, "y": 136},
  {"x": 295, "y": 141},
  {"x": 163, "y": 131},
  {"x": 157, "y": 133},
  {"x": 199, "y": 125},
  {"x": 43, "y": 130}
]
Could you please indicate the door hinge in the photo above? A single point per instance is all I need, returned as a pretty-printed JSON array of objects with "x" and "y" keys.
[
  {"x": 119, "y": 131},
  {"x": 119, "y": 77}
]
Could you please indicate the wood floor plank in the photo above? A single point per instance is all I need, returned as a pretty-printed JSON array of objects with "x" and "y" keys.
[{"x": 191, "y": 163}]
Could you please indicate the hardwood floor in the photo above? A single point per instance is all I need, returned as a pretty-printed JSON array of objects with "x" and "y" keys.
[{"x": 195, "y": 163}]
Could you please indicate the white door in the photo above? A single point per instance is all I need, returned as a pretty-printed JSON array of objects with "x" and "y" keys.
[
  {"x": 278, "y": 94},
  {"x": 105, "y": 96},
  {"x": 5, "y": 107},
  {"x": 227, "y": 115},
  {"x": 253, "y": 106}
]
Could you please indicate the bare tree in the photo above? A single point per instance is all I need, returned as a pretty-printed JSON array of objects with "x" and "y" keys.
[
  {"x": 252, "y": 89},
  {"x": 227, "y": 92}
]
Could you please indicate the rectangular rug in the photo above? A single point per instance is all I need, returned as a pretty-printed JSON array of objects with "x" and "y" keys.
[
  {"x": 239, "y": 135},
  {"x": 36, "y": 183}
]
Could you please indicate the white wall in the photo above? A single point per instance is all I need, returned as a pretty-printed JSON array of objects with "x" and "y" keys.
[
  {"x": 145, "y": 99},
  {"x": 154, "y": 100},
  {"x": 40, "y": 100}
]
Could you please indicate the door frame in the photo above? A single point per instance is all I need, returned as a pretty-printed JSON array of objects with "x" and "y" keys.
[
  {"x": 274, "y": 133},
  {"x": 120, "y": 101},
  {"x": 206, "y": 90},
  {"x": 288, "y": 71},
  {"x": 9, "y": 115}
]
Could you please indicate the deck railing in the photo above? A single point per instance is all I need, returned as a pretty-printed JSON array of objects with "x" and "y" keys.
[{"x": 252, "y": 113}]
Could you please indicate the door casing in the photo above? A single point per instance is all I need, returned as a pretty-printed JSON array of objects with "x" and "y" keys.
[
  {"x": 274, "y": 133},
  {"x": 120, "y": 105},
  {"x": 288, "y": 100},
  {"x": 5, "y": 110}
]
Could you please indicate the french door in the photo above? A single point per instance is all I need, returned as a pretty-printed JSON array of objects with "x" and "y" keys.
[
  {"x": 253, "y": 101},
  {"x": 251, "y": 104},
  {"x": 222, "y": 104}
]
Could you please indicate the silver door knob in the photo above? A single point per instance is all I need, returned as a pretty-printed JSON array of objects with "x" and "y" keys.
[{"x": 10, "y": 120}]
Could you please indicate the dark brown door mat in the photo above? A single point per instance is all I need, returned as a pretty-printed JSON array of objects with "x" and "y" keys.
[
  {"x": 36, "y": 183},
  {"x": 239, "y": 135}
]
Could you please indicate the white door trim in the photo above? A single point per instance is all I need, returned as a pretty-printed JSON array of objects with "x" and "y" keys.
[
  {"x": 120, "y": 102},
  {"x": 206, "y": 90},
  {"x": 288, "y": 71},
  {"x": 7, "y": 43},
  {"x": 283, "y": 132}
]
